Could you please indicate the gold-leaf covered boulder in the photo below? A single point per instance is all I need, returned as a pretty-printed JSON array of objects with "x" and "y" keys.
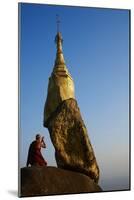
[
  {"x": 73, "y": 149},
  {"x": 69, "y": 136}
]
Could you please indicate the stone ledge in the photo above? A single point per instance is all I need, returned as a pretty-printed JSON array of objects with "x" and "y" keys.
[{"x": 37, "y": 181}]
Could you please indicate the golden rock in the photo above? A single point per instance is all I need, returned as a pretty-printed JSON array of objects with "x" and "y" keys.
[
  {"x": 62, "y": 117},
  {"x": 73, "y": 149}
]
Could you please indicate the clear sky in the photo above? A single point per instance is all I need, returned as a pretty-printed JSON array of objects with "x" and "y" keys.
[{"x": 96, "y": 51}]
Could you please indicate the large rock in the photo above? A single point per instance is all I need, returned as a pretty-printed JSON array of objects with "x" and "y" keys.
[
  {"x": 37, "y": 181},
  {"x": 68, "y": 133}
]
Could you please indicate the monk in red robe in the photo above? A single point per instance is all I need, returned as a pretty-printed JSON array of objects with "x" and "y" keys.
[{"x": 35, "y": 157}]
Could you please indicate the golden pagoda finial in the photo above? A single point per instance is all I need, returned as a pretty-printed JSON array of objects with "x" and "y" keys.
[{"x": 58, "y": 40}]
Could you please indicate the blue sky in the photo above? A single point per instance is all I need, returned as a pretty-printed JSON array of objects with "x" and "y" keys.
[{"x": 96, "y": 51}]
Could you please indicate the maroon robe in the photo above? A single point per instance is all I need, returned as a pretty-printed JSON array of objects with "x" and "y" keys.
[{"x": 34, "y": 155}]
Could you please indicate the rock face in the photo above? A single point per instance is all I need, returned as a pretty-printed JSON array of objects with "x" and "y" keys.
[
  {"x": 51, "y": 180},
  {"x": 69, "y": 136}
]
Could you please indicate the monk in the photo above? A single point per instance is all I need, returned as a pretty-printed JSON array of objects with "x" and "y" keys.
[{"x": 35, "y": 157}]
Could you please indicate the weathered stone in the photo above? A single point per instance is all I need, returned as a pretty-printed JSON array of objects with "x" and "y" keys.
[
  {"x": 68, "y": 133},
  {"x": 37, "y": 181}
]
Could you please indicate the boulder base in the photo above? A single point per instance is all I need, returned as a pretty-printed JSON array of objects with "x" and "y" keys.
[{"x": 37, "y": 181}]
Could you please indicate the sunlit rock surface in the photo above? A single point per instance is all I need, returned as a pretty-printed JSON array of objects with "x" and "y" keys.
[{"x": 73, "y": 149}]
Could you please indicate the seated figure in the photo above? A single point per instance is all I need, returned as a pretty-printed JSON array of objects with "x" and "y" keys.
[{"x": 35, "y": 157}]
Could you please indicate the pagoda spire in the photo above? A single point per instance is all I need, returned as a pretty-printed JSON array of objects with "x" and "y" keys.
[
  {"x": 61, "y": 85},
  {"x": 59, "y": 41}
]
